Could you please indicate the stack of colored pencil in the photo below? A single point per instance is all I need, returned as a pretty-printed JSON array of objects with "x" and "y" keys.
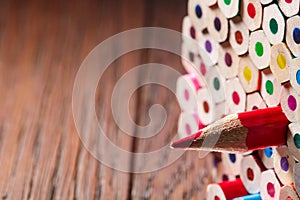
[{"x": 243, "y": 56}]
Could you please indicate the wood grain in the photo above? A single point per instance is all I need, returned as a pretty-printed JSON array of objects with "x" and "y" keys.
[{"x": 41, "y": 157}]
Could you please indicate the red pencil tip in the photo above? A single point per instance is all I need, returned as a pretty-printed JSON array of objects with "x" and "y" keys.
[{"x": 185, "y": 142}]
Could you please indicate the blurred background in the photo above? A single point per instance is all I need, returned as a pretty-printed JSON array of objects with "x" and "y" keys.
[{"x": 42, "y": 45}]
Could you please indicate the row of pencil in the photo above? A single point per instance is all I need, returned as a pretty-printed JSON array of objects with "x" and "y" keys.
[
  {"x": 242, "y": 56},
  {"x": 250, "y": 132},
  {"x": 260, "y": 175}
]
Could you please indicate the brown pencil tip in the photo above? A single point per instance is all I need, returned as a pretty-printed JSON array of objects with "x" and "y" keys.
[{"x": 185, "y": 142}]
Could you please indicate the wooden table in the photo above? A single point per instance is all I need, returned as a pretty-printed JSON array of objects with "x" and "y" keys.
[{"x": 42, "y": 45}]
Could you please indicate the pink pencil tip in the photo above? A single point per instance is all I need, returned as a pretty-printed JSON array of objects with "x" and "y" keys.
[{"x": 185, "y": 142}]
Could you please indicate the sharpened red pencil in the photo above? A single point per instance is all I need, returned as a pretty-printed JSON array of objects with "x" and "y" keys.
[{"x": 240, "y": 132}]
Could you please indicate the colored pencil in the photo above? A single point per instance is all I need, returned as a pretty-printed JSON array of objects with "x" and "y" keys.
[
  {"x": 249, "y": 197},
  {"x": 192, "y": 62},
  {"x": 217, "y": 25},
  {"x": 296, "y": 177},
  {"x": 228, "y": 61},
  {"x": 208, "y": 49},
  {"x": 236, "y": 50},
  {"x": 238, "y": 36},
  {"x": 197, "y": 11},
  {"x": 266, "y": 156},
  {"x": 283, "y": 165},
  {"x": 230, "y": 9},
  {"x": 240, "y": 132},
  {"x": 289, "y": 7},
  {"x": 251, "y": 13},
  {"x": 280, "y": 62},
  {"x": 186, "y": 92},
  {"x": 290, "y": 103},
  {"x": 292, "y": 35},
  {"x": 293, "y": 141},
  {"x": 188, "y": 29},
  {"x": 270, "y": 88},
  {"x": 295, "y": 74},
  {"x": 235, "y": 96},
  {"x": 251, "y": 169},
  {"x": 232, "y": 163},
  {"x": 269, "y": 185},
  {"x": 206, "y": 106},
  {"x": 273, "y": 24},
  {"x": 254, "y": 101},
  {"x": 288, "y": 192},
  {"x": 249, "y": 75},
  {"x": 215, "y": 84},
  {"x": 189, "y": 57},
  {"x": 259, "y": 49},
  {"x": 202, "y": 68},
  {"x": 188, "y": 123},
  {"x": 208, "y": 110},
  {"x": 226, "y": 190}
]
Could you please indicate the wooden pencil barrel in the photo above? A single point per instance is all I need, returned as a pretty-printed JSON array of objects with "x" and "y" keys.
[
  {"x": 295, "y": 74},
  {"x": 290, "y": 103},
  {"x": 238, "y": 36},
  {"x": 208, "y": 49},
  {"x": 190, "y": 58},
  {"x": 280, "y": 62},
  {"x": 273, "y": 24},
  {"x": 189, "y": 30},
  {"x": 217, "y": 25},
  {"x": 267, "y": 157},
  {"x": 249, "y": 75},
  {"x": 235, "y": 96},
  {"x": 251, "y": 13},
  {"x": 228, "y": 61},
  {"x": 186, "y": 92},
  {"x": 270, "y": 88},
  {"x": 208, "y": 110},
  {"x": 188, "y": 123},
  {"x": 254, "y": 101},
  {"x": 259, "y": 49},
  {"x": 283, "y": 165},
  {"x": 232, "y": 163},
  {"x": 292, "y": 35},
  {"x": 269, "y": 185},
  {"x": 215, "y": 83},
  {"x": 198, "y": 13},
  {"x": 230, "y": 9},
  {"x": 289, "y": 8},
  {"x": 293, "y": 141},
  {"x": 288, "y": 192},
  {"x": 251, "y": 170}
]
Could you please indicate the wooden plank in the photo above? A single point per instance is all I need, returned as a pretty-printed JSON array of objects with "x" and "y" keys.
[
  {"x": 41, "y": 156},
  {"x": 186, "y": 177}
]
